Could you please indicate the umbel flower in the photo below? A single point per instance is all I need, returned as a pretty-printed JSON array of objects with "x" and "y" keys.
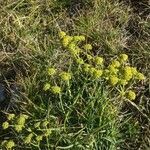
[
  {"x": 18, "y": 128},
  {"x": 55, "y": 89},
  {"x": 131, "y": 95},
  {"x": 97, "y": 73},
  {"x": 5, "y": 125},
  {"x": 28, "y": 138},
  {"x": 10, "y": 144},
  {"x": 99, "y": 60},
  {"x": 10, "y": 116},
  {"x": 62, "y": 34},
  {"x": 39, "y": 138},
  {"x": 128, "y": 73},
  {"x": 66, "y": 40},
  {"x": 115, "y": 63},
  {"x": 51, "y": 71},
  {"x": 87, "y": 47},
  {"x": 46, "y": 87},
  {"x": 65, "y": 76},
  {"x": 113, "y": 80},
  {"x": 21, "y": 120},
  {"x": 123, "y": 58}
]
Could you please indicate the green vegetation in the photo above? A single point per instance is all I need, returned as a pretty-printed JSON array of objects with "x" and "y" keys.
[{"x": 74, "y": 75}]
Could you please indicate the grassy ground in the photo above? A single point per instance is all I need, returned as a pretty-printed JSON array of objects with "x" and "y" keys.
[{"x": 88, "y": 113}]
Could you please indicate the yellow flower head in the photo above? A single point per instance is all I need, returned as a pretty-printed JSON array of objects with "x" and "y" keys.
[
  {"x": 18, "y": 128},
  {"x": 21, "y": 120},
  {"x": 55, "y": 89},
  {"x": 79, "y": 38},
  {"x": 123, "y": 82},
  {"x": 106, "y": 74},
  {"x": 92, "y": 70},
  {"x": 45, "y": 123},
  {"x": 113, "y": 70},
  {"x": 113, "y": 80},
  {"x": 51, "y": 71},
  {"x": 87, "y": 47},
  {"x": 99, "y": 60},
  {"x": 80, "y": 61},
  {"x": 72, "y": 46},
  {"x": 128, "y": 73},
  {"x": 37, "y": 124},
  {"x": 89, "y": 57},
  {"x": 131, "y": 95},
  {"x": 39, "y": 138},
  {"x": 65, "y": 76},
  {"x": 48, "y": 132},
  {"x": 66, "y": 40},
  {"x": 134, "y": 70},
  {"x": 46, "y": 87},
  {"x": 5, "y": 125},
  {"x": 62, "y": 34},
  {"x": 86, "y": 67},
  {"x": 97, "y": 73},
  {"x": 140, "y": 76},
  {"x": 28, "y": 138},
  {"x": 115, "y": 63},
  {"x": 10, "y": 116},
  {"x": 10, "y": 144},
  {"x": 82, "y": 38},
  {"x": 123, "y": 57}
]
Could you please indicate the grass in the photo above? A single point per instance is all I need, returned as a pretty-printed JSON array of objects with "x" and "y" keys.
[{"x": 88, "y": 113}]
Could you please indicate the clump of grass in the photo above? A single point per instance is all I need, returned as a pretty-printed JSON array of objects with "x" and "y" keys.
[
  {"x": 79, "y": 103},
  {"x": 68, "y": 82}
]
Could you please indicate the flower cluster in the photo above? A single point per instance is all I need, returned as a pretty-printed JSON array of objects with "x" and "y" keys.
[
  {"x": 117, "y": 73},
  {"x": 31, "y": 132}
]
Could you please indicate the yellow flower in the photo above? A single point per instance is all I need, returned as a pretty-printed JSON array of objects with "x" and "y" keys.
[
  {"x": 87, "y": 47},
  {"x": 10, "y": 144},
  {"x": 65, "y": 76},
  {"x": 72, "y": 46},
  {"x": 45, "y": 123},
  {"x": 46, "y": 87},
  {"x": 62, "y": 34},
  {"x": 123, "y": 82},
  {"x": 66, "y": 40},
  {"x": 115, "y": 63},
  {"x": 97, "y": 73},
  {"x": 80, "y": 61},
  {"x": 99, "y": 60},
  {"x": 86, "y": 67},
  {"x": 10, "y": 116},
  {"x": 112, "y": 69},
  {"x": 134, "y": 70},
  {"x": 113, "y": 80},
  {"x": 28, "y": 138},
  {"x": 79, "y": 38},
  {"x": 131, "y": 95},
  {"x": 39, "y": 138},
  {"x": 55, "y": 89},
  {"x": 92, "y": 70},
  {"x": 106, "y": 74},
  {"x": 123, "y": 57},
  {"x": 48, "y": 132},
  {"x": 127, "y": 73},
  {"x": 140, "y": 76},
  {"x": 37, "y": 124},
  {"x": 89, "y": 57},
  {"x": 18, "y": 128},
  {"x": 51, "y": 71},
  {"x": 21, "y": 120},
  {"x": 5, "y": 125}
]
